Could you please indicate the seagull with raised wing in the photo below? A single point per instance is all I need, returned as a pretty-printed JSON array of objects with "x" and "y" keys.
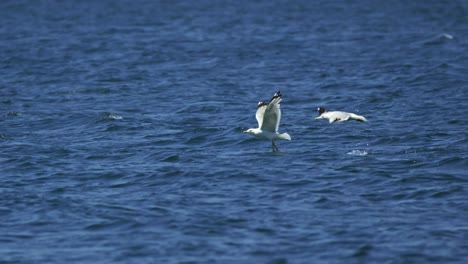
[
  {"x": 268, "y": 117},
  {"x": 338, "y": 116}
]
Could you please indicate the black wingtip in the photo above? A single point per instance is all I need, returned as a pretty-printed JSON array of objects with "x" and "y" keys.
[
  {"x": 277, "y": 94},
  {"x": 260, "y": 104}
]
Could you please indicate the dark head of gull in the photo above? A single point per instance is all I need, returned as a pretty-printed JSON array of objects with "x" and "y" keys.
[{"x": 321, "y": 110}]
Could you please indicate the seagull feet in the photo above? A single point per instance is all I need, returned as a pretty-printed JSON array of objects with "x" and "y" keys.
[{"x": 274, "y": 147}]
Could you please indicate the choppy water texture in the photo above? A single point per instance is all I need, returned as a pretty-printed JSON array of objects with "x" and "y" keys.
[{"x": 121, "y": 132}]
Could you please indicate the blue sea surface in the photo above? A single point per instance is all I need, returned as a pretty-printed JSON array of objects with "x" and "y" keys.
[{"x": 121, "y": 132}]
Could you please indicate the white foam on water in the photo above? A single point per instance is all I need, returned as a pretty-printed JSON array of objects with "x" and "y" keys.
[
  {"x": 357, "y": 152},
  {"x": 114, "y": 117}
]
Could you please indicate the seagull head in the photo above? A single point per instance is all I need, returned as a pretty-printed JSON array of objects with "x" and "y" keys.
[
  {"x": 248, "y": 131},
  {"x": 253, "y": 131},
  {"x": 321, "y": 110}
]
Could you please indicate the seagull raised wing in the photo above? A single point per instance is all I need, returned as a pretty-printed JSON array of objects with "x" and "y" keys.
[
  {"x": 262, "y": 106},
  {"x": 272, "y": 115},
  {"x": 268, "y": 118}
]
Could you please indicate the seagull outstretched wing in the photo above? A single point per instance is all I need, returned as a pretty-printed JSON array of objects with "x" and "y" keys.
[{"x": 338, "y": 116}]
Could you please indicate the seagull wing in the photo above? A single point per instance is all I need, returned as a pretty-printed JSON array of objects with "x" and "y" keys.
[
  {"x": 341, "y": 116},
  {"x": 262, "y": 106},
  {"x": 272, "y": 114}
]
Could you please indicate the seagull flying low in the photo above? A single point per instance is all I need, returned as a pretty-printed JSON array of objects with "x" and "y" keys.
[
  {"x": 338, "y": 116},
  {"x": 268, "y": 117}
]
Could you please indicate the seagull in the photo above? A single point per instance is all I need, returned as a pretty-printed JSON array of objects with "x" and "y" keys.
[
  {"x": 338, "y": 116},
  {"x": 268, "y": 117}
]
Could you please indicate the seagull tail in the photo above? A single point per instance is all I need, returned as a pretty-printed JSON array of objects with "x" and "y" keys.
[
  {"x": 285, "y": 136},
  {"x": 358, "y": 117}
]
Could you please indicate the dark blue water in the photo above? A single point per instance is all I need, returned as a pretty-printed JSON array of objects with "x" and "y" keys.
[{"x": 121, "y": 132}]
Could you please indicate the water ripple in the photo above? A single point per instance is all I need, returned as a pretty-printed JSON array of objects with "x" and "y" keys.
[{"x": 121, "y": 132}]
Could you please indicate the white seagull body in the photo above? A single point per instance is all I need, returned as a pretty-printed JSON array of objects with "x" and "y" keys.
[
  {"x": 338, "y": 116},
  {"x": 268, "y": 117}
]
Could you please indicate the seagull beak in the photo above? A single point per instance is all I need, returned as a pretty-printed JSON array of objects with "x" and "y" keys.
[{"x": 318, "y": 117}]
